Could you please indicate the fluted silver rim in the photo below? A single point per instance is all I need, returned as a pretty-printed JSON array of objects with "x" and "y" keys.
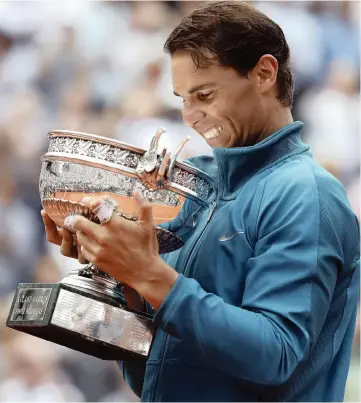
[{"x": 115, "y": 156}]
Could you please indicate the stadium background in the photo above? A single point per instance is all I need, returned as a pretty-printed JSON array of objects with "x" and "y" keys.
[{"x": 99, "y": 67}]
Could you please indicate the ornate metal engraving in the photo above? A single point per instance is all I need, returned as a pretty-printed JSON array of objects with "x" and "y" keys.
[
  {"x": 58, "y": 176},
  {"x": 191, "y": 181},
  {"x": 93, "y": 149},
  {"x": 154, "y": 171}
]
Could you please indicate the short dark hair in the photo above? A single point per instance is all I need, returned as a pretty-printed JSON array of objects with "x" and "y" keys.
[{"x": 237, "y": 35}]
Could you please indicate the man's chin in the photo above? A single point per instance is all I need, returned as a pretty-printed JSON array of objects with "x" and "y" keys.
[
  {"x": 219, "y": 144},
  {"x": 215, "y": 143}
]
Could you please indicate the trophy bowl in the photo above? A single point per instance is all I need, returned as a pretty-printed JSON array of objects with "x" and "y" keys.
[
  {"x": 86, "y": 310},
  {"x": 79, "y": 164}
]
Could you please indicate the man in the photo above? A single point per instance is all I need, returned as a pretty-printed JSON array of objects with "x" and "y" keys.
[{"x": 260, "y": 303}]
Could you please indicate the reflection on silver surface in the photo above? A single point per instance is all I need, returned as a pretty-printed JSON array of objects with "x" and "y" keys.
[
  {"x": 69, "y": 177},
  {"x": 109, "y": 154},
  {"x": 98, "y": 320}
]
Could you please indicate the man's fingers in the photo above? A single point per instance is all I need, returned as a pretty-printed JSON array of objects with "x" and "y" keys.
[
  {"x": 93, "y": 201},
  {"x": 103, "y": 207},
  {"x": 86, "y": 241},
  {"x": 81, "y": 257},
  {"x": 67, "y": 247},
  {"x": 76, "y": 223},
  {"x": 87, "y": 255},
  {"x": 70, "y": 246},
  {"x": 145, "y": 211},
  {"x": 145, "y": 214},
  {"x": 155, "y": 241},
  {"x": 52, "y": 233},
  {"x": 67, "y": 236}
]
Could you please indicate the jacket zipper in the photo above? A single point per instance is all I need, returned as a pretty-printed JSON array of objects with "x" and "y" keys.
[
  {"x": 184, "y": 272},
  {"x": 213, "y": 208}
]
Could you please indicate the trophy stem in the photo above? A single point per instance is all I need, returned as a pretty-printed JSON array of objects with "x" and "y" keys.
[{"x": 97, "y": 281}]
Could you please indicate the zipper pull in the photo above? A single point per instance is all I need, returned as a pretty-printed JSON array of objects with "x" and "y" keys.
[{"x": 214, "y": 205}]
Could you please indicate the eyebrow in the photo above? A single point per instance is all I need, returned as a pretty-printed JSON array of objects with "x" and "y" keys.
[{"x": 197, "y": 88}]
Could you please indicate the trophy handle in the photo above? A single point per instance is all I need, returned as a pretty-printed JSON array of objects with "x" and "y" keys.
[
  {"x": 175, "y": 156},
  {"x": 150, "y": 157},
  {"x": 154, "y": 171}
]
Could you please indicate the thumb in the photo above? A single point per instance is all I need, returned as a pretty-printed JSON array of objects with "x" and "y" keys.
[{"x": 145, "y": 211}]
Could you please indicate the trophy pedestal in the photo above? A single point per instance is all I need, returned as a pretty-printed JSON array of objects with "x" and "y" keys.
[{"x": 82, "y": 320}]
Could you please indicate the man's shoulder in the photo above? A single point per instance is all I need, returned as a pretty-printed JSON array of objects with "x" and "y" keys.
[
  {"x": 303, "y": 185},
  {"x": 304, "y": 190},
  {"x": 303, "y": 173}
]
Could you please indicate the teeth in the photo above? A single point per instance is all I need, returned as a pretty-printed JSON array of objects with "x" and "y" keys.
[{"x": 213, "y": 133}]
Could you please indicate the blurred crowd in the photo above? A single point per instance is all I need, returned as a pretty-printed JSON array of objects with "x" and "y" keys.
[{"x": 99, "y": 67}]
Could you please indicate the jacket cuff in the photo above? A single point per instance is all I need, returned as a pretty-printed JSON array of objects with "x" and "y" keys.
[
  {"x": 163, "y": 315},
  {"x": 148, "y": 308}
]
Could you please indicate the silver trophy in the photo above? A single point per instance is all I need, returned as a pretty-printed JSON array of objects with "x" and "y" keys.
[{"x": 86, "y": 310}]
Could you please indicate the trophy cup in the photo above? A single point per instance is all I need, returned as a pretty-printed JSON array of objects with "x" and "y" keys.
[{"x": 86, "y": 311}]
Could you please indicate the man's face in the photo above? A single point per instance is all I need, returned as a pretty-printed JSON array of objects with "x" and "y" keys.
[{"x": 221, "y": 105}]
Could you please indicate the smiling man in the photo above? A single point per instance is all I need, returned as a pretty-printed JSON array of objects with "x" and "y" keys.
[
  {"x": 226, "y": 108},
  {"x": 260, "y": 303}
]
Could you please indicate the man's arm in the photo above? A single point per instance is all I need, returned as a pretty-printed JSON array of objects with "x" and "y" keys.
[
  {"x": 134, "y": 371},
  {"x": 293, "y": 272},
  {"x": 297, "y": 257}
]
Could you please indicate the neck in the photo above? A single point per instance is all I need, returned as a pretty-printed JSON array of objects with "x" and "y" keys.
[
  {"x": 238, "y": 164},
  {"x": 274, "y": 119},
  {"x": 277, "y": 118}
]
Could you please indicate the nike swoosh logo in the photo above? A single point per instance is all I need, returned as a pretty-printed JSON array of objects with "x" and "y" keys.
[{"x": 227, "y": 237}]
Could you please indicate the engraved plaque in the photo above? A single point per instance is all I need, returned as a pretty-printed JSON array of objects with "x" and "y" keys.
[
  {"x": 30, "y": 304},
  {"x": 99, "y": 320}
]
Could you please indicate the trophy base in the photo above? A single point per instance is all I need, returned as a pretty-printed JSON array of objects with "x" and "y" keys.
[{"x": 82, "y": 320}]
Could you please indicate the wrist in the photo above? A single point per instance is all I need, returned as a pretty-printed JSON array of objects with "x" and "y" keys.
[
  {"x": 160, "y": 280},
  {"x": 133, "y": 299}
]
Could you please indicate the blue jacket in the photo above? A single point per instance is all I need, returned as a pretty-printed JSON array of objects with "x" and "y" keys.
[{"x": 264, "y": 308}]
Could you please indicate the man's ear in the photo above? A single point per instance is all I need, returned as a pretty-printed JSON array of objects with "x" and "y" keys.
[{"x": 266, "y": 72}]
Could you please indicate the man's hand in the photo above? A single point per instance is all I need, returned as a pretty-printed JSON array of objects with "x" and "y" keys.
[
  {"x": 69, "y": 247},
  {"x": 65, "y": 239},
  {"x": 126, "y": 250}
]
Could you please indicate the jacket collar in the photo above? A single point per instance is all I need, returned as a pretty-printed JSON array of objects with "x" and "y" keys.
[{"x": 231, "y": 168}]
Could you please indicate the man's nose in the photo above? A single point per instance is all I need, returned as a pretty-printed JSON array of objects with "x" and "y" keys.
[{"x": 191, "y": 116}]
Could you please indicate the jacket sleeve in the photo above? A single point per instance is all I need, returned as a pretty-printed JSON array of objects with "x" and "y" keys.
[
  {"x": 133, "y": 374},
  {"x": 134, "y": 371},
  {"x": 288, "y": 290}
]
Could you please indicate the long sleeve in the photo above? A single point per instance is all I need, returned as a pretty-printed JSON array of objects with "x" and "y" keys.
[
  {"x": 134, "y": 371},
  {"x": 288, "y": 291},
  {"x": 133, "y": 374}
]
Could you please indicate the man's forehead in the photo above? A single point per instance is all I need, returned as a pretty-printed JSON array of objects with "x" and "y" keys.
[
  {"x": 183, "y": 61},
  {"x": 188, "y": 78},
  {"x": 187, "y": 75}
]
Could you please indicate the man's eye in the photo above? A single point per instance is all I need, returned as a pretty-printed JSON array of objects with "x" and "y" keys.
[{"x": 204, "y": 96}]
